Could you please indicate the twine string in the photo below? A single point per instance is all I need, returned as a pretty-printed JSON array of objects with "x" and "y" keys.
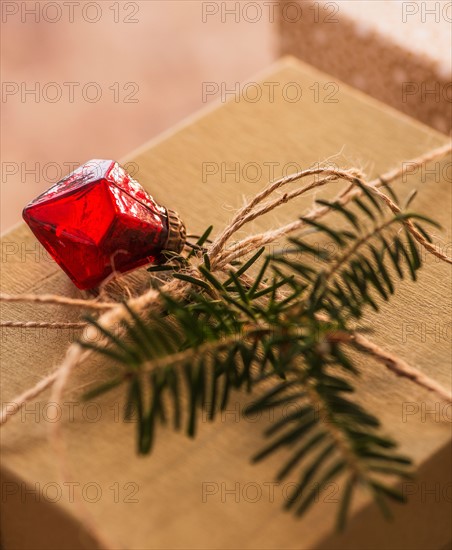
[
  {"x": 57, "y": 300},
  {"x": 111, "y": 313},
  {"x": 220, "y": 257},
  {"x": 34, "y": 324}
]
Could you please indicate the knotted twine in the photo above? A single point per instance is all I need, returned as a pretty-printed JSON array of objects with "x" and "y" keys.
[{"x": 221, "y": 256}]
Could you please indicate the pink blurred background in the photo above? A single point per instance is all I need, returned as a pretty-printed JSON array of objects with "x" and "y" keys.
[{"x": 165, "y": 56}]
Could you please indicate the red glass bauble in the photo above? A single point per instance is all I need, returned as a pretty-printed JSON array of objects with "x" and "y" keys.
[{"x": 98, "y": 220}]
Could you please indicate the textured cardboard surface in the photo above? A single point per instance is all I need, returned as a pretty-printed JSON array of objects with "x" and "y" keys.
[{"x": 181, "y": 496}]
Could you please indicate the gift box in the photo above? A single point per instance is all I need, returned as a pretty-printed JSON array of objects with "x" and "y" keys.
[
  {"x": 205, "y": 493},
  {"x": 397, "y": 52}
]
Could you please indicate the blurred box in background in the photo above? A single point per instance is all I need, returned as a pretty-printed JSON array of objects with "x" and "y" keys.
[{"x": 394, "y": 50}]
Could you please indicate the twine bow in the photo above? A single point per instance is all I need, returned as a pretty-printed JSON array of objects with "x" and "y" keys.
[
  {"x": 220, "y": 260},
  {"x": 221, "y": 256}
]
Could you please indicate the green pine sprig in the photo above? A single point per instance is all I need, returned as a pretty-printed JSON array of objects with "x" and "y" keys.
[{"x": 280, "y": 328}]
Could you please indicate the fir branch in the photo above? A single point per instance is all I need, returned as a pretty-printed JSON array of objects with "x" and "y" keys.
[{"x": 290, "y": 326}]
